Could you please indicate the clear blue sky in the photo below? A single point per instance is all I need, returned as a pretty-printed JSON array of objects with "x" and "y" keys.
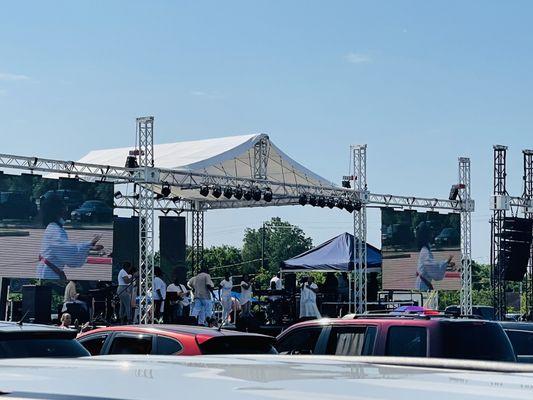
[{"x": 420, "y": 82}]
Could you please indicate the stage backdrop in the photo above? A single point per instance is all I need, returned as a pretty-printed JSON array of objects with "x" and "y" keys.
[
  {"x": 401, "y": 249},
  {"x": 88, "y": 212}
]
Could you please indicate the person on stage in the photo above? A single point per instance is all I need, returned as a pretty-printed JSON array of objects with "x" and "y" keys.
[
  {"x": 429, "y": 269},
  {"x": 71, "y": 296},
  {"x": 181, "y": 305},
  {"x": 308, "y": 307},
  {"x": 57, "y": 252},
  {"x": 159, "y": 293},
  {"x": 276, "y": 280},
  {"x": 202, "y": 287},
  {"x": 246, "y": 296},
  {"x": 124, "y": 292},
  {"x": 224, "y": 292}
]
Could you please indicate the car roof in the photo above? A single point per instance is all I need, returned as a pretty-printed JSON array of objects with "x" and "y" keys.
[
  {"x": 174, "y": 329},
  {"x": 16, "y": 329},
  {"x": 523, "y": 326},
  {"x": 271, "y": 377}
]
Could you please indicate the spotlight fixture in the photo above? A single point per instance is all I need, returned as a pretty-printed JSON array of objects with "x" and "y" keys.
[
  {"x": 175, "y": 199},
  {"x": 118, "y": 195},
  {"x": 237, "y": 193},
  {"x": 312, "y": 200},
  {"x": 346, "y": 184},
  {"x": 204, "y": 190},
  {"x": 165, "y": 190},
  {"x": 256, "y": 193},
  {"x": 216, "y": 191},
  {"x": 228, "y": 192},
  {"x": 454, "y": 191},
  {"x": 349, "y": 207},
  {"x": 357, "y": 205},
  {"x": 302, "y": 200},
  {"x": 340, "y": 204},
  {"x": 247, "y": 194},
  {"x": 321, "y": 202},
  {"x": 330, "y": 202},
  {"x": 267, "y": 195},
  {"x": 131, "y": 162}
]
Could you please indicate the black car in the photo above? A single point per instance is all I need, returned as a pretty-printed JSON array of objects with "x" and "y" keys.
[
  {"x": 521, "y": 336},
  {"x": 21, "y": 340},
  {"x": 17, "y": 205},
  {"x": 92, "y": 211}
]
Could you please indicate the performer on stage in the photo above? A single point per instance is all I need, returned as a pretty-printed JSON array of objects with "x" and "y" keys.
[
  {"x": 57, "y": 252},
  {"x": 246, "y": 296},
  {"x": 224, "y": 293},
  {"x": 159, "y": 293},
  {"x": 276, "y": 280},
  {"x": 181, "y": 305},
  {"x": 124, "y": 292},
  {"x": 202, "y": 287},
  {"x": 428, "y": 268},
  {"x": 71, "y": 296},
  {"x": 308, "y": 307}
]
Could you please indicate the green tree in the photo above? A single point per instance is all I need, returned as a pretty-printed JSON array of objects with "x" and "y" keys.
[
  {"x": 280, "y": 241},
  {"x": 220, "y": 259}
]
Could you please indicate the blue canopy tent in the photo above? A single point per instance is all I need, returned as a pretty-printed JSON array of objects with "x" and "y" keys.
[{"x": 335, "y": 255}]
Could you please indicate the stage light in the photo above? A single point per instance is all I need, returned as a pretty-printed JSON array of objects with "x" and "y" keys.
[
  {"x": 454, "y": 192},
  {"x": 267, "y": 195},
  {"x": 256, "y": 193},
  {"x": 158, "y": 196},
  {"x": 312, "y": 200},
  {"x": 216, "y": 191},
  {"x": 349, "y": 206},
  {"x": 330, "y": 202},
  {"x": 165, "y": 190},
  {"x": 175, "y": 199},
  {"x": 237, "y": 193},
  {"x": 302, "y": 199},
  {"x": 247, "y": 194},
  {"x": 228, "y": 192},
  {"x": 346, "y": 184},
  {"x": 118, "y": 195},
  {"x": 357, "y": 205},
  {"x": 131, "y": 162},
  {"x": 321, "y": 202},
  {"x": 204, "y": 190},
  {"x": 340, "y": 204}
]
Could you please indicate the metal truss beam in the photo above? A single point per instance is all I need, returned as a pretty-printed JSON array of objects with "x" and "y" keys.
[
  {"x": 466, "y": 238},
  {"x": 197, "y": 234},
  {"x": 261, "y": 149},
  {"x": 360, "y": 228},
  {"x": 528, "y": 213},
  {"x": 163, "y": 205}
]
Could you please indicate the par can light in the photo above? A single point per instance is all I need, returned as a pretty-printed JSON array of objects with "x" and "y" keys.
[
  {"x": 267, "y": 195},
  {"x": 216, "y": 191}
]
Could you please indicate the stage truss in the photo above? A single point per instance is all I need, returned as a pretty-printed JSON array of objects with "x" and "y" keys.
[{"x": 149, "y": 179}]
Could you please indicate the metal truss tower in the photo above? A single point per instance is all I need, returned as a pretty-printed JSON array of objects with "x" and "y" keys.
[
  {"x": 498, "y": 216},
  {"x": 261, "y": 159},
  {"x": 147, "y": 176},
  {"x": 466, "y": 236},
  {"x": 360, "y": 227},
  {"x": 528, "y": 213},
  {"x": 197, "y": 235}
]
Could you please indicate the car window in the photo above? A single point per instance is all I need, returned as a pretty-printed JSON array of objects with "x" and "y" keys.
[
  {"x": 131, "y": 344},
  {"x": 522, "y": 341},
  {"x": 351, "y": 341},
  {"x": 300, "y": 341},
  {"x": 36, "y": 347},
  {"x": 167, "y": 346},
  {"x": 406, "y": 341},
  {"x": 94, "y": 344},
  {"x": 236, "y": 344}
]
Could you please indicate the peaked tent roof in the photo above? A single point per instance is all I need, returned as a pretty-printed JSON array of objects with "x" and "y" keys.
[
  {"x": 228, "y": 156},
  {"x": 334, "y": 255}
]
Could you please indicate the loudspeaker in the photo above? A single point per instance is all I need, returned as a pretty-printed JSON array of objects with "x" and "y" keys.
[
  {"x": 125, "y": 242},
  {"x": 515, "y": 248},
  {"x": 172, "y": 247},
  {"x": 290, "y": 282},
  {"x": 37, "y": 302}
]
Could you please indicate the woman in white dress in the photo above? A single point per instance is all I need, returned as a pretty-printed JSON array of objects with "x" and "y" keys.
[
  {"x": 224, "y": 293},
  {"x": 308, "y": 307}
]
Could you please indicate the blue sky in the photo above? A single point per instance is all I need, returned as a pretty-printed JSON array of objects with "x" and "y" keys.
[{"x": 420, "y": 82}]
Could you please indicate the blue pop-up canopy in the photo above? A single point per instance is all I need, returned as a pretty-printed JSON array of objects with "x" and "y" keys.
[{"x": 336, "y": 254}]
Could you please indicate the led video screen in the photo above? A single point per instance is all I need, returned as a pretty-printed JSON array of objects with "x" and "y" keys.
[
  {"x": 421, "y": 250},
  {"x": 53, "y": 226}
]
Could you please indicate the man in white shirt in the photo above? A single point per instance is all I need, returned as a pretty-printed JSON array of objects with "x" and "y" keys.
[
  {"x": 159, "y": 293},
  {"x": 124, "y": 291},
  {"x": 182, "y": 301},
  {"x": 246, "y": 296},
  {"x": 202, "y": 286},
  {"x": 276, "y": 280}
]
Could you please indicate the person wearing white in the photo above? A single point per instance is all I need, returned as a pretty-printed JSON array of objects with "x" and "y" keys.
[
  {"x": 428, "y": 269},
  {"x": 183, "y": 297},
  {"x": 159, "y": 294},
  {"x": 124, "y": 291},
  {"x": 224, "y": 291},
  {"x": 308, "y": 307},
  {"x": 57, "y": 252},
  {"x": 246, "y": 296},
  {"x": 277, "y": 282},
  {"x": 71, "y": 296},
  {"x": 202, "y": 285}
]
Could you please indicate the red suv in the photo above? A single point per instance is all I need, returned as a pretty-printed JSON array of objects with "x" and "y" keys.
[
  {"x": 402, "y": 336},
  {"x": 180, "y": 340}
]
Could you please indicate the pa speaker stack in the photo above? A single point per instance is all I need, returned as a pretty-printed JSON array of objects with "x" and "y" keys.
[{"x": 515, "y": 247}]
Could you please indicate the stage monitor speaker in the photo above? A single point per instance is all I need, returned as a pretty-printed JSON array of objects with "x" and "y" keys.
[
  {"x": 125, "y": 242},
  {"x": 290, "y": 282},
  {"x": 37, "y": 302},
  {"x": 172, "y": 247}
]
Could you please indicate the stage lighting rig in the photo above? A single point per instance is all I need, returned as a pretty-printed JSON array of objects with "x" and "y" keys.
[
  {"x": 349, "y": 206},
  {"x": 131, "y": 162},
  {"x": 267, "y": 195},
  {"x": 330, "y": 202},
  {"x": 165, "y": 190},
  {"x": 454, "y": 191},
  {"x": 216, "y": 191},
  {"x": 256, "y": 193},
  {"x": 312, "y": 200},
  {"x": 204, "y": 190},
  {"x": 237, "y": 193},
  {"x": 247, "y": 194},
  {"x": 321, "y": 202},
  {"x": 228, "y": 192},
  {"x": 340, "y": 204},
  {"x": 302, "y": 199}
]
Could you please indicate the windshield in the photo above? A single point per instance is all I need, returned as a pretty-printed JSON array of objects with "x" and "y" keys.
[
  {"x": 32, "y": 347},
  {"x": 476, "y": 341},
  {"x": 238, "y": 345}
]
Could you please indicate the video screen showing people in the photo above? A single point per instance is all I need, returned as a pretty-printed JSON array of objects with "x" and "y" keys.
[
  {"x": 55, "y": 229},
  {"x": 421, "y": 250}
]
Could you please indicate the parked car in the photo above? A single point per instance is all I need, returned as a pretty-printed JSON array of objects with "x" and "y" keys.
[
  {"x": 447, "y": 237},
  {"x": 521, "y": 336},
  {"x": 92, "y": 211},
  {"x": 401, "y": 336},
  {"x": 174, "y": 340},
  {"x": 33, "y": 340},
  {"x": 17, "y": 205}
]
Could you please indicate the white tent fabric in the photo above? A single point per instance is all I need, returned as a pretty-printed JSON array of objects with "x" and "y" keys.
[{"x": 229, "y": 157}]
